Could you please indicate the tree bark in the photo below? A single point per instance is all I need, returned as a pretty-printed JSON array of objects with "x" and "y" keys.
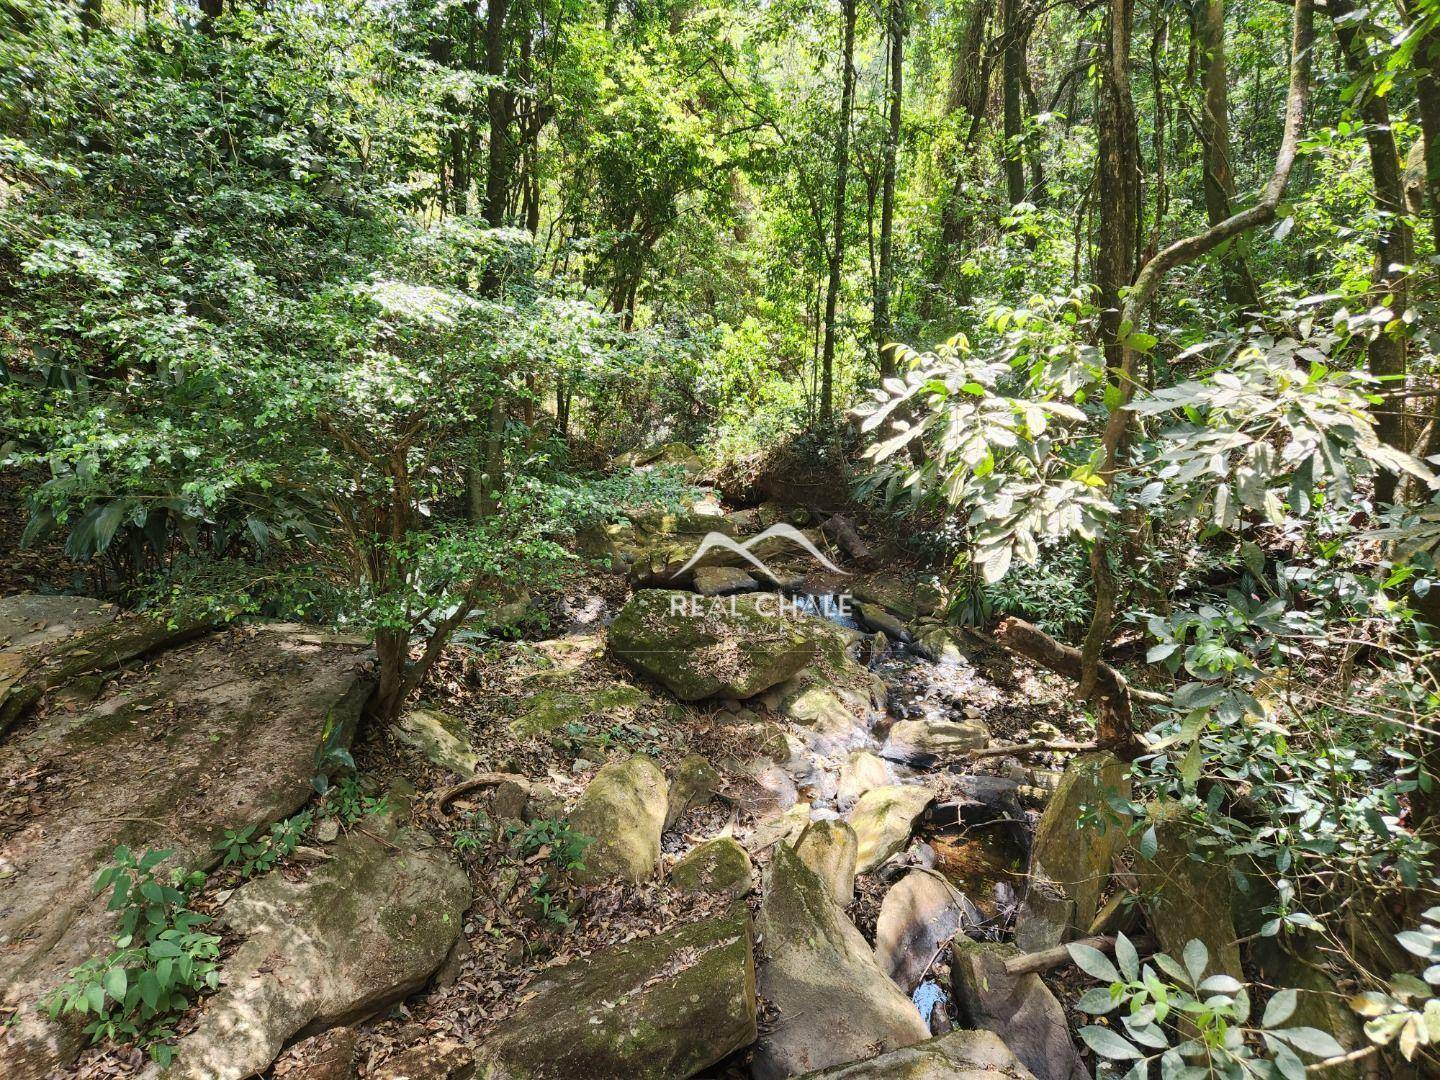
[
  {"x": 850, "y": 9},
  {"x": 1386, "y": 350},
  {"x": 1219, "y": 176},
  {"x": 969, "y": 86},
  {"x": 498, "y": 105},
  {"x": 1012, "y": 67},
  {"x": 1119, "y": 176},
  {"x": 885, "y": 278}
]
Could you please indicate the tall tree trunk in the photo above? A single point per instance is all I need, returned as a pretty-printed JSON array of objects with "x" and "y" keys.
[
  {"x": 498, "y": 103},
  {"x": 1386, "y": 350},
  {"x": 883, "y": 320},
  {"x": 1012, "y": 67},
  {"x": 849, "y": 8},
  {"x": 1119, "y": 176},
  {"x": 969, "y": 86},
  {"x": 1219, "y": 176}
]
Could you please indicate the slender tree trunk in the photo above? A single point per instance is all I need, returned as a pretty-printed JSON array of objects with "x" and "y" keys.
[
  {"x": 1012, "y": 66},
  {"x": 1119, "y": 176},
  {"x": 884, "y": 330},
  {"x": 1219, "y": 176},
  {"x": 969, "y": 86},
  {"x": 850, "y": 9},
  {"x": 1386, "y": 350},
  {"x": 498, "y": 101}
]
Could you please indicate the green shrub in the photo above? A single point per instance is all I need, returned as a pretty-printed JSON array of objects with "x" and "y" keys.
[{"x": 160, "y": 962}]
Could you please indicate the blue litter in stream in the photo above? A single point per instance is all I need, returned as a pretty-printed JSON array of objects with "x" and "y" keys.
[{"x": 927, "y": 995}]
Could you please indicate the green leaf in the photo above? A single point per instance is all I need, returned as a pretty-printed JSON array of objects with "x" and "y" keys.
[
  {"x": 1279, "y": 1008},
  {"x": 1093, "y": 962},
  {"x": 1108, "y": 1044},
  {"x": 1311, "y": 1040},
  {"x": 1127, "y": 957},
  {"x": 1196, "y": 957},
  {"x": 116, "y": 982}
]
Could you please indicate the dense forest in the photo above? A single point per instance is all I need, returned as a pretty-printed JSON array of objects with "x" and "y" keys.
[{"x": 553, "y": 538}]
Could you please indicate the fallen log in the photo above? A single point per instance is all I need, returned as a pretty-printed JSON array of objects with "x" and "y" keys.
[
  {"x": 840, "y": 529},
  {"x": 1115, "y": 725}
]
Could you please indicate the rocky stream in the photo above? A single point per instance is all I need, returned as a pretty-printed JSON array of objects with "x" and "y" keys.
[{"x": 806, "y": 858}]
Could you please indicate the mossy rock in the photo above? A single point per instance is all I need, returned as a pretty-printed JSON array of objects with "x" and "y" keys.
[
  {"x": 718, "y": 867},
  {"x": 442, "y": 739},
  {"x": 658, "y": 1008},
  {"x": 367, "y": 928},
  {"x": 884, "y": 820},
  {"x": 549, "y": 710},
  {"x": 733, "y": 647},
  {"x": 623, "y": 811},
  {"x": 693, "y": 783},
  {"x": 960, "y": 1055},
  {"x": 835, "y": 1004},
  {"x": 1070, "y": 861},
  {"x": 830, "y": 849},
  {"x": 1188, "y": 894}
]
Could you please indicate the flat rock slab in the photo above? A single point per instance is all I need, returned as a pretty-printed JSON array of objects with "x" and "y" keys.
[
  {"x": 723, "y": 580},
  {"x": 961, "y": 1055},
  {"x": 220, "y": 733},
  {"x": 48, "y": 641},
  {"x": 658, "y": 1008},
  {"x": 701, "y": 647},
  {"x": 883, "y": 820},
  {"x": 1018, "y": 1008},
  {"x": 364, "y": 930},
  {"x": 921, "y": 742},
  {"x": 834, "y": 1004}
]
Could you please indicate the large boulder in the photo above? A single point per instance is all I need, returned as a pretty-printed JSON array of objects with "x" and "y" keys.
[
  {"x": 733, "y": 647},
  {"x": 623, "y": 810},
  {"x": 834, "y": 1002},
  {"x": 960, "y": 1055},
  {"x": 1074, "y": 845},
  {"x": 219, "y": 733},
  {"x": 657, "y": 1008},
  {"x": 919, "y": 914},
  {"x": 921, "y": 742},
  {"x": 1019, "y": 1008},
  {"x": 715, "y": 867},
  {"x": 829, "y": 848},
  {"x": 884, "y": 819},
  {"x": 365, "y": 929},
  {"x": 1188, "y": 894}
]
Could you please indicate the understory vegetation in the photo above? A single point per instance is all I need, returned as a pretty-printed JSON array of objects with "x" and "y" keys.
[{"x": 1121, "y": 317}]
